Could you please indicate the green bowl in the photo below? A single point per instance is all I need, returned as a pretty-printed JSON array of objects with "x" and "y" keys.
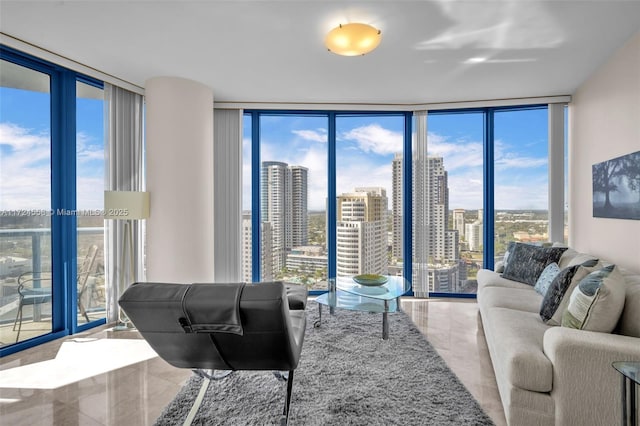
[{"x": 371, "y": 280}]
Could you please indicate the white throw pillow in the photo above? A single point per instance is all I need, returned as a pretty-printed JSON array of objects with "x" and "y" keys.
[{"x": 597, "y": 301}]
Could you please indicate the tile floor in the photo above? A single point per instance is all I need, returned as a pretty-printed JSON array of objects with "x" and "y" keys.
[{"x": 136, "y": 394}]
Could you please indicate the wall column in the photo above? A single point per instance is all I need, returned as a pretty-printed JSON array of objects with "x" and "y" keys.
[{"x": 179, "y": 166}]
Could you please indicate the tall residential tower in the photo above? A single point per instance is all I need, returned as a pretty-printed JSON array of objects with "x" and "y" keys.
[
  {"x": 283, "y": 199},
  {"x": 361, "y": 232}
]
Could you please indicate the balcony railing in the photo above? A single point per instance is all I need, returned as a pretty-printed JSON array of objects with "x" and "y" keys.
[{"x": 38, "y": 268}]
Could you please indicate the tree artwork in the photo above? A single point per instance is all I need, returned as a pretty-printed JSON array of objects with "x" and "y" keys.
[{"x": 616, "y": 187}]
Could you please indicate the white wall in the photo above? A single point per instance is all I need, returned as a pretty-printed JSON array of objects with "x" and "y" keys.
[
  {"x": 179, "y": 163},
  {"x": 604, "y": 124}
]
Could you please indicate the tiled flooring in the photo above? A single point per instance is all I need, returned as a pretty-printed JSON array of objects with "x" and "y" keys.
[{"x": 136, "y": 394}]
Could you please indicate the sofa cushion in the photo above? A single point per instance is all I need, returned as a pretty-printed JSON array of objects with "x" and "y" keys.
[
  {"x": 489, "y": 278},
  {"x": 527, "y": 262},
  {"x": 512, "y": 298},
  {"x": 629, "y": 323},
  {"x": 518, "y": 348},
  {"x": 571, "y": 258},
  {"x": 546, "y": 278},
  {"x": 597, "y": 301},
  {"x": 555, "y": 301}
]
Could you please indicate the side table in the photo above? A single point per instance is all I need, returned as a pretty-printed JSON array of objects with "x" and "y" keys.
[{"x": 630, "y": 372}]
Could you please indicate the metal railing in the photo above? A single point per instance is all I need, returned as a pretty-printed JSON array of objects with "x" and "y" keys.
[{"x": 9, "y": 302}]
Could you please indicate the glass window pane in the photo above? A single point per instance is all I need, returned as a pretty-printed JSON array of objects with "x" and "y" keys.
[
  {"x": 369, "y": 174},
  {"x": 521, "y": 194},
  {"x": 25, "y": 204},
  {"x": 90, "y": 176},
  {"x": 293, "y": 193},
  {"x": 247, "y": 270},
  {"x": 454, "y": 200}
]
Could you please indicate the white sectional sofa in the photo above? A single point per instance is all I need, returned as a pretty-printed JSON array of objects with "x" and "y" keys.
[{"x": 554, "y": 375}]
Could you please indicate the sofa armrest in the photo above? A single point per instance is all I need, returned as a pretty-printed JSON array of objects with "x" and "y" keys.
[{"x": 586, "y": 388}]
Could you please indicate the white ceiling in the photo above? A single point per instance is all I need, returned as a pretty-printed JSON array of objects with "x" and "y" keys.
[{"x": 272, "y": 51}]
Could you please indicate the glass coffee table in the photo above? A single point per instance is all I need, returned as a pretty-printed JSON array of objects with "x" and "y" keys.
[
  {"x": 630, "y": 373},
  {"x": 345, "y": 293}
]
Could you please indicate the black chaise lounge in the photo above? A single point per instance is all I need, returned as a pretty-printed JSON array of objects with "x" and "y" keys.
[{"x": 220, "y": 327}]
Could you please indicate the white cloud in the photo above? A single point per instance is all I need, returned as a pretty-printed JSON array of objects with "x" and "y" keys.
[
  {"x": 20, "y": 139},
  {"x": 88, "y": 149},
  {"x": 318, "y": 135},
  {"x": 25, "y": 181},
  {"x": 90, "y": 193},
  {"x": 506, "y": 158},
  {"x": 458, "y": 154},
  {"x": 374, "y": 138},
  {"x": 521, "y": 181},
  {"x": 25, "y": 170}
]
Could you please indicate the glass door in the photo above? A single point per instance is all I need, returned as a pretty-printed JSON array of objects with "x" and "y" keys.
[{"x": 26, "y": 269}]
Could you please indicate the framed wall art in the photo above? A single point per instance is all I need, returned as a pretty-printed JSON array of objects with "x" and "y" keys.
[{"x": 616, "y": 187}]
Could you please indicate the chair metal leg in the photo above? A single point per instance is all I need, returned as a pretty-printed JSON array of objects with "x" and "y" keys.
[
  {"x": 18, "y": 315},
  {"x": 287, "y": 402},
  {"x": 198, "y": 402}
]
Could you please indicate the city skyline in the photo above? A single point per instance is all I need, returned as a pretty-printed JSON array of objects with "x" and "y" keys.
[{"x": 365, "y": 146}]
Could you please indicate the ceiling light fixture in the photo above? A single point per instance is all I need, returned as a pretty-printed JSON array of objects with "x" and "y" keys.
[{"x": 353, "y": 39}]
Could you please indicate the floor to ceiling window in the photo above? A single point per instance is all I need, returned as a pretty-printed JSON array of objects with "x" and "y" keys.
[
  {"x": 521, "y": 175},
  {"x": 292, "y": 188},
  {"x": 480, "y": 182},
  {"x": 90, "y": 162},
  {"x": 453, "y": 198},
  {"x": 369, "y": 191},
  {"x": 25, "y": 204},
  {"x": 51, "y": 189}
]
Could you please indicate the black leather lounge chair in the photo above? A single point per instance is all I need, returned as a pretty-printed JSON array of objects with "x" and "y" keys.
[{"x": 219, "y": 327}]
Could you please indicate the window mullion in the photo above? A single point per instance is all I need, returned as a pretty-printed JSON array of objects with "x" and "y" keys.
[
  {"x": 331, "y": 198},
  {"x": 488, "y": 199}
]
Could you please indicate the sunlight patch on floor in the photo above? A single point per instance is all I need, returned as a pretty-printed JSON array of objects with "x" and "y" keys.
[{"x": 76, "y": 360}]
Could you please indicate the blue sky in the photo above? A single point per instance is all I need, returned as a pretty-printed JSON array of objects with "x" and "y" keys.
[
  {"x": 366, "y": 146},
  {"x": 25, "y": 155},
  {"x": 365, "y": 149}
]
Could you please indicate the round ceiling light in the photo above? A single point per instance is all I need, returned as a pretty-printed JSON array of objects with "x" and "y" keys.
[{"x": 353, "y": 39}]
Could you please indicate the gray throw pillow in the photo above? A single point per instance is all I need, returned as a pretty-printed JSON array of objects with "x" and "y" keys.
[
  {"x": 507, "y": 253},
  {"x": 527, "y": 262},
  {"x": 556, "y": 300}
]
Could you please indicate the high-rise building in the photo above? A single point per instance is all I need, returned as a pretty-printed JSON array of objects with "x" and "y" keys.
[
  {"x": 451, "y": 245},
  {"x": 438, "y": 244},
  {"x": 474, "y": 235},
  {"x": 438, "y": 208},
  {"x": 436, "y": 201},
  {"x": 266, "y": 258},
  {"x": 299, "y": 214},
  {"x": 283, "y": 198},
  {"x": 458, "y": 221},
  {"x": 444, "y": 278},
  {"x": 361, "y": 232},
  {"x": 396, "y": 207}
]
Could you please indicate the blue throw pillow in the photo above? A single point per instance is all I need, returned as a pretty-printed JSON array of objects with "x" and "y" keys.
[{"x": 546, "y": 278}]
